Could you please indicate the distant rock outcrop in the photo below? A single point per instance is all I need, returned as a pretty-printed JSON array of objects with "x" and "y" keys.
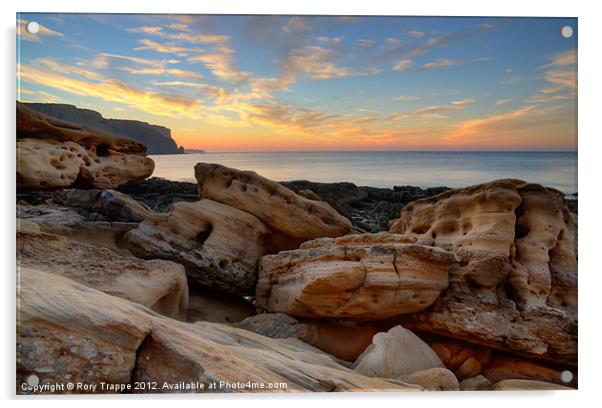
[{"x": 156, "y": 138}]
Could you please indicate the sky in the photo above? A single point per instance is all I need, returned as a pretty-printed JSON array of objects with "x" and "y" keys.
[{"x": 287, "y": 83}]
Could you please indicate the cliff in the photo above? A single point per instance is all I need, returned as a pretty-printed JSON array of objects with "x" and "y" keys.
[{"x": 157, "y": 138}]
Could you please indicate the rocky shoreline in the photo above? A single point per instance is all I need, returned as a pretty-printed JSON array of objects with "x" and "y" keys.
[{"x": 240, "y": 283}]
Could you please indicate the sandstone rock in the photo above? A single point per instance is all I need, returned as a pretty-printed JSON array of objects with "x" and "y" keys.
[
  {"x": 209, "y": 305},
  {"x": 527, "y": 385},
  {"x": 395, "y": 354},
  {"x": 342, "y": 340},
  {"x": 281, "y": 209},
  {"x": 477, "y": 383},
  {"x": 110, "y": 205},
  {"x": 159, "y": 285},
  {"x": 516, "y": 284},
  {"x": 433, "y": 379},
  {"x": 463, "y": 359},
  {"x": 220, "y": 246},
  {"x": 359, "y": 277},
  {"x": 67, "y": 332},
  {"x": 507, "y": 367},
  {"x": 54, "y": 154}
]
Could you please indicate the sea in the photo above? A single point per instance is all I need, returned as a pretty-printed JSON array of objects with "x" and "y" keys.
[{"x": 388, "y": 168}]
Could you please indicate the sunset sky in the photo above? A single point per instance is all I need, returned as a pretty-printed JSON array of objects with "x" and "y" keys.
[{"x": 268, "y": 83}]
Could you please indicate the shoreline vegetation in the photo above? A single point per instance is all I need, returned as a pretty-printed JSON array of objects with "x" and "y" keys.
[{"x": 238, "y": 282}]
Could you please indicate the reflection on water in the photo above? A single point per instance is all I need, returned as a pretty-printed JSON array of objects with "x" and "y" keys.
[{"x": 386, "y": 169}]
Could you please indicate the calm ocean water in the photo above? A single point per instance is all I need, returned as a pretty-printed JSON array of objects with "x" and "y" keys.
[{"x": 386, "y": 169}]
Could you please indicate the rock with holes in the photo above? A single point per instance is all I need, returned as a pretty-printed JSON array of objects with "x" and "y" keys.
[
  {"x": 292, "y": 215},
  {"x": 218, "y": 245},
  {"x": 53, "y": 154},
  {"x": 157, "y": 284},
  {"x": 70, "y": 333},
  {"x": 344, "y": 340},
  {"x": 396, "y": 354},
  {"x": 515, "y": 287},
  {"x": 357, "y": 277}
]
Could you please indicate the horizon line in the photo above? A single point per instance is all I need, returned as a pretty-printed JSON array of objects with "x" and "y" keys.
[{"x": 388, "y": 151}]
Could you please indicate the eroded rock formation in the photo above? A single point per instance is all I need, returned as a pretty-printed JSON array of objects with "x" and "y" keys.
[
  {"x": 296, "y": 217},
  {"x": 515, "y": 287},
  {"x": 67, "y": 332},
  {"x": 157, "y": 284},
  {"x": 219, "y": 245},
  {"x": 53, "y": 154},
  {"x": 360, "y": 277}
]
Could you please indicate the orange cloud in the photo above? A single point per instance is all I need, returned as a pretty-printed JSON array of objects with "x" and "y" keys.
[{"x": 432, "y": 112}]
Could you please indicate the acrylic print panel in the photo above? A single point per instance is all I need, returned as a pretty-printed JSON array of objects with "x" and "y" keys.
[{"x": 295, "y": 203}]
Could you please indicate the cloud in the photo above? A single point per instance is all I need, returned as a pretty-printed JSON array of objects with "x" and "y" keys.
[
  {"x": 500, "y": 102},
  {"x": 178, "y": 73},
  {"x": 297, "y": 24},
  {"x": 561, "y": 76},
  {"x": 440, "y": 63},
  {"x": 315, "y": 62},
  {"x": 42, "y": 33},
  {"x": 406, "y": 98},
  {"x": 184, "y": 34},
  {"x": 364, "y": 43},
  {"x": 221, "y": 64},
  {"x": 220, "y": 93},
  {"x": 415, "y": 34},
  {"x": 112, "y": 90},
  {"x": 145, "y": 30},
  {"x": 402, "y": 65},
  {"x": 167, "y": 48},
  {"x": 179, "y": 27},
  {"x": 433, "y": 112}
]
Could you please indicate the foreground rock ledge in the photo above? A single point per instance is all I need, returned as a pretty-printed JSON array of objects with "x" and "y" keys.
[
  {"x": 515, "y": 288},
  {"x": 53, "y": 154},
  {"x": 359, "y": 277},
  {"x": 67, "y": 332},
  {"x": 284, "y": 211},
  {"x": 157, "y": 284}
]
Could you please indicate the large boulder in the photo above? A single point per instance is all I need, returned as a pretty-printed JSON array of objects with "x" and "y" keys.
[
  {"x": 157, "y": 284},
  {"x": 53, "y": 154},
  {"x": 395, "y": 354},
  {"x": 344, "y": 340},
  {"x": 433, "y": 379},
  {"x": 358, "y": 277},
  {"x": 515, "y": 287},
  {"x": 296, "y": 217},
  {"x": 219, "y": 245},
  {"x": 69, "y": 333}
]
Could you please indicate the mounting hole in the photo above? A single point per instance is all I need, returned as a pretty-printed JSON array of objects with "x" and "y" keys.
[
  {"x": 32, "y": 27},
  {"x": 566, "y": 376},
  {"x": 32, "y": 380},
  {"x": 566, "y": 31}
]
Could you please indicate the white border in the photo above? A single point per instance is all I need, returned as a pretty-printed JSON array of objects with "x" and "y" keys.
[{"x": 589, "y": 184}]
